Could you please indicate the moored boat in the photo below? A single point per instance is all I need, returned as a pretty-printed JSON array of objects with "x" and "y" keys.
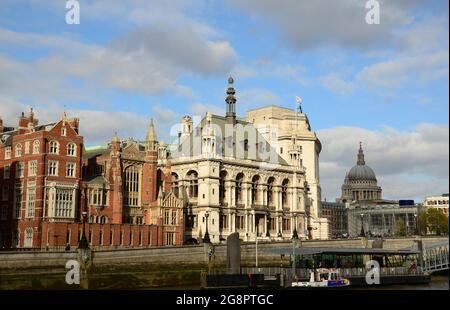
[{"x": 323, "y": 278}]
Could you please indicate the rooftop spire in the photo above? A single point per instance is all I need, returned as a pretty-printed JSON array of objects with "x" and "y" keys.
[
  {"x": 360, "y": 161},
  {"x": 231, "y": 101},
  {"x": 151, "y": 135}
]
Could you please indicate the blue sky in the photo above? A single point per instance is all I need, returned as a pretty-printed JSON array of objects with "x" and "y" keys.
[{"x": 128, "y": 61}]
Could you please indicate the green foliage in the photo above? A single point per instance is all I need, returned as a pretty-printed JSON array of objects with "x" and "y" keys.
[
  {"x": 400, "y": 227},
  {"x": 433, "y": 221}
]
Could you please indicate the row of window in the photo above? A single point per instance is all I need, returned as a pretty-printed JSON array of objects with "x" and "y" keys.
[
  {"x": 32, "y": 169},
  {"x": 437, "y": 202},
  {"x": 29, "y": 234},
  {"x": 53, "y": 149}
]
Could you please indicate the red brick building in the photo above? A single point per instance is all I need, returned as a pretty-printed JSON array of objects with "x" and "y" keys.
[{"x": 47, "y": 179}]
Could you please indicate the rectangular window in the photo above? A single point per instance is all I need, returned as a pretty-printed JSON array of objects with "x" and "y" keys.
[
  {"x": 166, "y": 217},
  {"x": 17, "y": 201},
  {"x": 64, "y": 202},
  {"x": 31, "y": 198},
  {"x": 286, "y": 224},
  {"x": 224, "y": 221},
  {"x": 6, "y": 170},
  {"x": 174, "y": 217},
  {"x": 70, "y": 170},
  {"x": 19, "y": 170},
  {"x": 53, "y": 168},
  {"x": 8, "y": 152},
  {"x": 170, "y": 238},
  {"x": 5, "y": 192},
  {"x": 32, "y": 168},
  {"x": 28, "y": 242},
  {"x": 4, "y": 213}
]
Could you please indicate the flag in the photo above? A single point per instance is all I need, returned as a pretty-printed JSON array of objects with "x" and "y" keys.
[{"x": 299, "y": 103}]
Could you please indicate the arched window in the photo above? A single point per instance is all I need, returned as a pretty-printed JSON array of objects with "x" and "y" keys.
[
  {"x": 255, "y": 183},
  {"x": 270, "y": 183},
  {"x": 71, "y": 149},
  {"x": 36, "y": 147},
  {"x": 284, "y": 190},
  {"x": 222, "y": 189},
  {"x": 175, "y": 185},
  {"x": 238, "y": 189},
  {"x": 54, "y": 147},
  {"x": 103, "y": 220},
  {"x": 18, "y": 150},
  {"x": 131, "y": 182},
  {"x": 192, "y": 177}
]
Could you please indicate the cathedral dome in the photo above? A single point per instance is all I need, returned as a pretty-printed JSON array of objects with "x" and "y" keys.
[{"x": 361, "y": 172}]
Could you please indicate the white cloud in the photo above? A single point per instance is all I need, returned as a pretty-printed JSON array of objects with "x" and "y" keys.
[
  {"x": 407, "y": 163},
  {"x": 200, "y": 109},
  {"x": 257, "y": 97},
  {"x": 403, "y": 70},
  {"x": 132, "y": 62},
  {"x": 310, "y": 24},
  {"x": 335, "y": 83}
]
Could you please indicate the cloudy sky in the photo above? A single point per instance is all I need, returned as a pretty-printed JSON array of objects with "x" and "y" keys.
[{"x": 385, "y": 85}]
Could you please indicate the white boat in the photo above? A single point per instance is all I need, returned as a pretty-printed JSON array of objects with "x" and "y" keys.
[{"x": 322, "y": 278}]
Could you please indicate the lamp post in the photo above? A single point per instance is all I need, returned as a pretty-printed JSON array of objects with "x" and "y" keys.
[
  {"x": 294, "y": 233},
  {"x": 206, "y": 239},
  {"x": 363, "y": 234},
  {"x": 83, "y": 243},
  {"x": 415, "y": 223}
]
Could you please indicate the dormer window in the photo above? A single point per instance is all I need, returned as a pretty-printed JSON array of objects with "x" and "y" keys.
[{"x": 54, "y": 147}]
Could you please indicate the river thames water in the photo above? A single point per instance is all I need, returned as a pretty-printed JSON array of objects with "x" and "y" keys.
[{"x": 438, "y": 282}]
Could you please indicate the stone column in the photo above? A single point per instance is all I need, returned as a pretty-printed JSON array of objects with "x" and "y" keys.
[
  {"x": 244, "y": 195},
  {"x": 265, "y": 224},
  {"x": 275, "y": 198}
]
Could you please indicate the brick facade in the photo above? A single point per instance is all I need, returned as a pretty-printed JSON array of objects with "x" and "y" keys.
[{"x": 47, "y": 178}]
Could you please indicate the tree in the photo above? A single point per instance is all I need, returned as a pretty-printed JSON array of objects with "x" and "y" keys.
[
  {"x": 433, "y": 221},
  {"x": 400, "y": 227}
]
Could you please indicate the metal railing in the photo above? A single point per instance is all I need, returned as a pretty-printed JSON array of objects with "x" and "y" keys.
[{"x": 304, "y": 273}]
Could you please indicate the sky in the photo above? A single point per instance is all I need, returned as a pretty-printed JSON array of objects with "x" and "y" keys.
[{"x": 383, "y": 84}]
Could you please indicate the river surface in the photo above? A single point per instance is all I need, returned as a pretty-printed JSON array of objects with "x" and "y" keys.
[{"x": 440, "y": 282}]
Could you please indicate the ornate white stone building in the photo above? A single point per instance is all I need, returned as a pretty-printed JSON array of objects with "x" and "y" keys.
[
  {"x": 234, "y": 180},
  {"x": 289, "y": 132}
]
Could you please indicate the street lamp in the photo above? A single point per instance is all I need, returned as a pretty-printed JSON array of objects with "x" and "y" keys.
[
  {"x": 415, "y": 223},
  {"x": 280, "y": 224},
  {"x": 294, "y": 233},
  {"x": 83, "y": 243},
  {"x": 363, "y": 234},
  {"x": 206, "y": 238}
]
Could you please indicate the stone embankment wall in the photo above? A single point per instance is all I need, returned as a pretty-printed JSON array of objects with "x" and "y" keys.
[{"x": 184, "y": 256}]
